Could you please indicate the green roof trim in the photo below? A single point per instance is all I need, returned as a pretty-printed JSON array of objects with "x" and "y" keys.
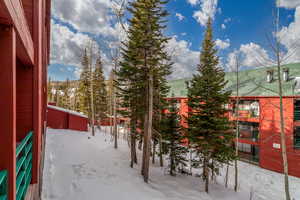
[{"x": 253, "y": 82}]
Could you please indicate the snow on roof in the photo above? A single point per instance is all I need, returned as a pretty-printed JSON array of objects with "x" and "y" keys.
[
  {"x": 252, "y": 83},
  {"x": 67, "y": 111}
]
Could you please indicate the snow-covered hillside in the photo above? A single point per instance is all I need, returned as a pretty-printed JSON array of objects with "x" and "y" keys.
[{"x": 81, "y": 167}]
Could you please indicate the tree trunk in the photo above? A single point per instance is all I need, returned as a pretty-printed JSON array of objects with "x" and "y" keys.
[
  {"x": 145, "y": 135},
  {"x": 237, "y": 129},
  {"x": 147, "y": 140},
  {"x": 190, "y": 160},
  {"x": 283, "y": 136},
  {"x": 206, "y": 174},
  {"x": 133, "y": 143},
  {"x": 92, "y": 94},
  {"x": 226, "y": 177},
  {"x": 212, "y": 171},
  {"x": 115, "y": 124},
  {"x": 153, "y": 151},
  {"x": 140, "y": 144},
  {"x": 171, "y": 163},
  {"x": 161, "y": 160}
]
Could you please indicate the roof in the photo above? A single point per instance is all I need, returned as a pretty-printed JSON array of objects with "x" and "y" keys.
[
  {"x": 253, "y": 82},
  {"x": 67, "y": 111}
]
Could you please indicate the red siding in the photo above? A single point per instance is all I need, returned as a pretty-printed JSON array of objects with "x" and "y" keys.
[
  {"x": 78, "y": 123},
  {"x": 269, "y": 120},
  {"x": 24, "y": 101},
  {"x": 58, "y": 119},
  {"x": 270, "y": 158}
]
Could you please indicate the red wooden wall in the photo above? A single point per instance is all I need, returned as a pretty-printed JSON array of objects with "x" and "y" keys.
[
  {"x": 270, "y": 157},
  {"x": 269, "y": 120},
  {"x": 24, "y": 47},
  {"x": 24, "y": 78},
  {"x": 59, "y": 119}
]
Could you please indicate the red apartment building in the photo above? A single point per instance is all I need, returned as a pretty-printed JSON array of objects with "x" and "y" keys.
[
  {"x": 24, "y": 47},
  {"x": 259, "y": 116}
]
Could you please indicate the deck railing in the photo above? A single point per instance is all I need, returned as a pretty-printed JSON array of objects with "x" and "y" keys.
[
  {"x": 24, "y": 166},
  {"x": 3, "y": 185}
]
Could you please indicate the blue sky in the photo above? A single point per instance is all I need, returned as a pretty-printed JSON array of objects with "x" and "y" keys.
[{"x": 238, "y": 26}]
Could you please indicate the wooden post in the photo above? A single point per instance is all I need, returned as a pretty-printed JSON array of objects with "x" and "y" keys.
[
  {"x": 37, "y": 89},
  {"x": 8, "y": 106}
]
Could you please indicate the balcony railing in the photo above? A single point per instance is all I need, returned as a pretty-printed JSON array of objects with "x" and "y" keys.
[
  {"x": 24, "y": 166},
  {"x": 3, "y": 185},
  {"x": 297, "y": 143}
]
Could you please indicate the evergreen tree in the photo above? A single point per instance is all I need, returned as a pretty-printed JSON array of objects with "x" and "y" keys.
[
  {"x": 76, "y": 104},
  {"x": 84, "y": 85},
  {"x": 100, "y": 92},
  {"x": 49, "y": 90},
  {"x": 57, "y": 97},
  {"x": 208, "y": 127},
  {"x": 145, "y": 63},
  {"x": 173, "y": 137},
  {"x": 66, "y": 95}
]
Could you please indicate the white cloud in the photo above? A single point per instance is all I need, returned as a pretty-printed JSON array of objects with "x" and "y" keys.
[
  {"x": 290, "y": 37},
  {"x": 67, "y": 49},
  {"x": 179, "y": 16},
  {"x": 93, "y": 16},
  {"x": 253, "y": 55},
  {"x": 249, "y": 55},
  {"x": 223, "y": 44},
  {"x": 223, "y": 26},
  {"x": 193, "y": 2},
  {"x": 66, "y": 46},
  {"x": 227, "y": 20},
  {"x": 208, "y": 8},
  {"x": 288, "y": 3},
  {"x": 183, "y": 34},
  {"x": 185, "y": 60},
  {"x": 232, "y": 61}
]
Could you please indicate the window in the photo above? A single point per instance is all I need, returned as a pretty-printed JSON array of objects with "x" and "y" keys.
[
  {"x": 247, "y": 108},
  {"x": 249, "y": 130},
  {"x": 297, "y": 110},
  {"x": 248, "y": 152},
  {"x": 297, "y": 137}
]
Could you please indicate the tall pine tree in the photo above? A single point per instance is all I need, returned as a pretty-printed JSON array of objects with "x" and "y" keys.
[
  {"x": 208, "y": 128},
  {"x": 84, "y": 85},
  {"x": 100, "y": 92},
  {"x": 66, "y": 95},
  {"x": 145, "y": 62}
]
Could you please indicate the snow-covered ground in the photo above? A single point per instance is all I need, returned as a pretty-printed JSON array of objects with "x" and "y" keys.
[{"x": 81, "y": 167}]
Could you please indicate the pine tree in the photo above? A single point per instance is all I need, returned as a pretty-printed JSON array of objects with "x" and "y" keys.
[
  {"x": 65, "y": 98},
  {"x": 173, "y": 137},
  {"x": 100, "y": 92},
  {"x": 57, "y": 97},
  {"x": 76, "y": 101},
  {"x": 208, "y": 127},
  {"x": 49, "y": 90},
  {"x": 84, "y": 85},
  {"x": 145, "y": 63}
]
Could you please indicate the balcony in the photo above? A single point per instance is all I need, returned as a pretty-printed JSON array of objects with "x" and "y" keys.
[
  {"x": 297, "y": 137},
  {"x": 297, "y": 110},
  {"x": 24, "y": 166},
  {"x": 247, "y": 111},
  {"x": 3, "y": 185},
  {"x": 249, "y": 131},
  {"x": 248, "y": 153}
]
